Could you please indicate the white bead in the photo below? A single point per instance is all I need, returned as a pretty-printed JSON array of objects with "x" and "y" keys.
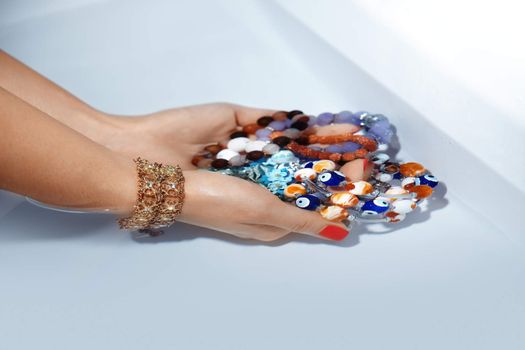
[
  {"x": 382, "y": 147},
  {"x": 271, "y": 148},
  {"x": 255, "y": 146},
  {"x": 380, "y": 158},
  {"x": 292, "y": 133},
  {"x": 227, "y": 154},
  {"x": 384, "y": 177},
  {"x": 238, "y": 144},
  {"x": 237, "y": 160},
  {"x": 403, "y": 206}
]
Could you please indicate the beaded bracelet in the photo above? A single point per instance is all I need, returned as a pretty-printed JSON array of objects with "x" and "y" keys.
[
  {"x": 283, "y": 154},
  {"x": 160, "y": 197}
]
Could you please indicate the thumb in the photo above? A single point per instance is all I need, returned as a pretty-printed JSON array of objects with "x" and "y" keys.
[{"x": 308, "y": 222}]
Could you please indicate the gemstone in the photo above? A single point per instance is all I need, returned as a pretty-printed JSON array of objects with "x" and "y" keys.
[
  {"x": 227, "y": 154},
  {"x": 292, "y": 133},
  {"x": 220, "y": 163},
  {"x": 263, "y": 133},
  {"x": 375, "y": 206},
  {"x": 350, "y": 147},
  {"x": 271, "y": 148},
  {"x": 237, "y": 160},
  {"x": 238, "y": 134},
  {"x": 264, "y": 121},
  {"x": 238, "y": 144},
  {"x": 308, "y": 202},
  {"x": 281, "y": 141},
  {"x": 334, "y": 149},
  {"x": 299, "y": 125},
  {"x": 325, "y": 118},
  {"x": 283, "y": 156},
  {"x": 255, "y": 145},
  {"x": 334, "y": 213},
  {"x": 347, "y": 117},
  {"x": 255, "y": 155},
  {"x": 331, "y": 178},
  {"x": 302, "y": 140},
  {"x": 251, "y": 128},
  {"x": 277, "y": 125},
  {"x": 411, "y": 169},
  {"x": 344, "y": 199}
]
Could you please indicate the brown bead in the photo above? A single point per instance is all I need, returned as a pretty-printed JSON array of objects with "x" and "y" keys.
[
  {"x": 220, "y": 163},
  {"x": 276, "y": 134},
  {"x": 255, "y": 155},
  {"x": 390, "y": 168},
  {"x": 282, "y": 141},
  {"x": 238, "y": 134},
  {"x": 264, "y": 121},
  {"x": 299, "y": 125},
  {"x": 303, "y": 140},
  {"x": 213, "y": 149},
  {"x": 195, "y": 160},
  {"x": 293, "y": 113},
  {"x": 411, "y": 169},
  {"x": 421, "y": 191},
  {"x": 281, "y": 115},
  {"x": 251, "y": 128},
  {"x": 303, "y": 118}
]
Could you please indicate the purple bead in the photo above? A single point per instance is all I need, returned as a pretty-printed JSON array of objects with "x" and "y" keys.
[
  {"x": 288, "y": 123},
  {"x": 325, "y": 119},
  {"x": 317, "y": 148},
  {"x": 382, "y": 131},
  {"x": 277, "y": 125},
  {"x": 263, "y": 133},
  {"x": 334, "y": 149},
  {"x": 350, "y": 146},
  {"x": 312, "y": 121}
]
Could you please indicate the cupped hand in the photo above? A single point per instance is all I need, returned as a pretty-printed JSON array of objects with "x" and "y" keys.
[
  {"x": 175, "y": 135},
  {"x": 247, "y": 210}
]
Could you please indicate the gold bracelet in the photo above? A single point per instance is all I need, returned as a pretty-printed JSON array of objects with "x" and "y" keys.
[{"x": 160, "y": 197}]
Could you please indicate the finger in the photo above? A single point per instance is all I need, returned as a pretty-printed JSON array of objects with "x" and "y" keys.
[{"x": 307, "y": 222}]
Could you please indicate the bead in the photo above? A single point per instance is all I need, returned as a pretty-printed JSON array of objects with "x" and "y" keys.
[
  {"x": 375, "y": 206},
  {"x": 334, "y": 213},
  {"x": 283, "y": 156},
  {"x": 331, "y": 178},
  {"x": 299, "y": 125},
  {"x": 359, "y": 188},
  {"x": 322, "y": 165},
  {"x": 347, "y": 117},
  {"x": 395, "y": 190},
  {"x": 254, "y": 155},
  {"x": 334, "y": 149},
  {"x": 411, "y": 169},
  {"x": 292, "y": 133},
  {"x": 394, "y": 217},
  {"x": 255, "y": 145},
  {"x": 408, "y": 182},
  {"x": 251, "y": 128},
  {"x": 305, "y": 173},
  {"x": 403, "y": 206},
  {"x": 344, "y": 199},
  {"x": 238, "y": 144},
  {"x": 263, "y": 133},
  {"x": 281, "y": 115},
  {"x": 204, "y": 163},
  {"x": 276, "y": 134},
  {"x": 220, "y": 163},
  {"x": 271, "y": 148},
  {"x": 382, "y": 147},
  {"x": 227, "y": 154},
  {"x": 391, "y": 168},
  {"x": 380, "y": 158},
  {"x": 277, "y": 125},
  {"x": 213, "y": 149},
  {"x": 421, "y": 191},
  {"x": 309, "y": 164},
  {"x": 196, "y": 159},
  {"x": 384, "y": 177},
  {"x": 293, "y": 113},
  {"x": 325, "y": 118},
  {"x": 238, "y": 134},
  {"x": 429, "y": 180},
  {"x": 238, "y": 160},
  {"x": 350, "y": 146},
  {"x": 294, "y": 190},
  {"x": 308, "y": 202},
  {"x": 302, "y": 140},
  {"x": 264, "y": 121},
  {"x": 281, "y": 141}
]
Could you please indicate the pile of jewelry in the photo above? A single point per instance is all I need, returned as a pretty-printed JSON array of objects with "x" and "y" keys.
[{"x": 333, "y": 163}]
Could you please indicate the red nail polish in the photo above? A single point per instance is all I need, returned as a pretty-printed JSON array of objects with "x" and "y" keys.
[{"x": 334, "y": 232}]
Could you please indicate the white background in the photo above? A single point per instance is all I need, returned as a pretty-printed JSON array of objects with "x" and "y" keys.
[{"x": 450, "y": 277}]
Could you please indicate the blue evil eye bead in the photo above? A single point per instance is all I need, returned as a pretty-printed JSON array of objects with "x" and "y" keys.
[
  {"x": 331, "y": 178},
  {"x": 308, "y": 202},
  {"x": 308, "y": 165},
  {"x": 429, "y": 180},
  {"x": 375, "y": 206}
]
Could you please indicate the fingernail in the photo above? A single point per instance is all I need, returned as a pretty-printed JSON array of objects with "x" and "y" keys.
[{"x": 334, "y": 232}]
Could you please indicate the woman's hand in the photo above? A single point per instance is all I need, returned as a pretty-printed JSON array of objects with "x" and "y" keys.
[
  {"x": 175, "y": 135},
  {"x": 246, "y": 210}
]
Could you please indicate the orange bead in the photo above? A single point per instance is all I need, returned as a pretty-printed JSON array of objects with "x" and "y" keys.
[
  {"x": 344, "y": 199},
  {"x": 421, "y": 191},
  {"x": 411, "y": 169},
  {"x": 334, "y": 213},
  {"x": 275, "y": 134},
  {"x": 294, "y": 190},
  {"x": 251, "y": 128}
]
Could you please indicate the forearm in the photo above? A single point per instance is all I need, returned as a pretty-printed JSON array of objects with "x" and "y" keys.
[
  {"x": 40, "y": 92},
  {"x": 43, "y": 159}
]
